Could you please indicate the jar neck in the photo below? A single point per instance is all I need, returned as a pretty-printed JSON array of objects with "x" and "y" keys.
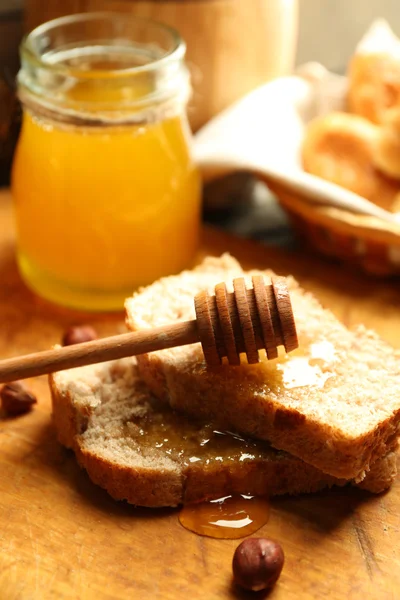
[
  {"x": 101, "y": 80},
  {"x": 61, "y": 100}
]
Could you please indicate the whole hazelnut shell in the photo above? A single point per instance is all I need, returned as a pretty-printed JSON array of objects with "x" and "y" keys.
[
  {"x": 257, "y": 563},
  {"x": 78, "y": 334},
  {"x": 16, "y": 399}
]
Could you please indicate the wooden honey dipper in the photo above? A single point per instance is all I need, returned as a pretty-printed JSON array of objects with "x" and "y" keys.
[{"x": 227, "y": 325}]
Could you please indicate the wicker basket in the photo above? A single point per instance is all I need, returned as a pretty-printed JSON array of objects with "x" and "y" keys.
[
  {"x": 262, "y": 134},
  {"x": 366, "y": 242}
]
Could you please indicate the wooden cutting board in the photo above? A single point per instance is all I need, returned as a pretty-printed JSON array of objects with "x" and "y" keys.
[{"x": 62, "y": 538}]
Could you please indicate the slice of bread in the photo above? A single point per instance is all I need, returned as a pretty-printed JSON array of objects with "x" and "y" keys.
[
  {"x": 119, "y": 431},
  {"x": 334, "y": 402}
]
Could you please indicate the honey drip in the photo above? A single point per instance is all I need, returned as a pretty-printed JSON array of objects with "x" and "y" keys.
[{"x": 230, "y": 517}]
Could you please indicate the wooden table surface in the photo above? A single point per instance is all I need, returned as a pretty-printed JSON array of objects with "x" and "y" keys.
[{"x": 62, "y": 538}]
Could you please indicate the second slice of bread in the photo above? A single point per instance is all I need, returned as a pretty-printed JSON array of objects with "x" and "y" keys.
[
  {"x": 139, "y": 450},
  {"x": 335, "y": 403}
]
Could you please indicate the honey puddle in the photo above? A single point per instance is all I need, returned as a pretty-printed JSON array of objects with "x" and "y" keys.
[{"x": 230, "y": 517}]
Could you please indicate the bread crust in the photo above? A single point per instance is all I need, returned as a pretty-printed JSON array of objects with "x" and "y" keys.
[
  {"x": 374, "y": 85},
  {"x": 142, "y": 487},
  {"x": 343, "y": 149},
  {"x": 387, "y": 148}
]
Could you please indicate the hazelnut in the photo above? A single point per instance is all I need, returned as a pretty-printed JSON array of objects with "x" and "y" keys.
[
  {"x": 79, "y": 334},
  {"x": 257, "y": 563},
  {"x": 16, "y": 399}
]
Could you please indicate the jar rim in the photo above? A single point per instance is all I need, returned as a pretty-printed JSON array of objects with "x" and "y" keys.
[
  {"x": 61, "y": 55},
  {"x": 29, "y": 53}
]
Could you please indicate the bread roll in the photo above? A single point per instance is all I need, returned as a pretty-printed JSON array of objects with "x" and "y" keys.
[
  {"x": 387, "y": 149},
  {"x": 339, "y": 147},
  {"x": 374, "y": 85}
]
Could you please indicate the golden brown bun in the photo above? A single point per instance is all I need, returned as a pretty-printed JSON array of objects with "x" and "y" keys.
[
  {"x": 374, "y": 85},
  {"x": 387, "y": 148},
  {"x": 396, "y": 204},
  {"x": 339, "y": 147}
]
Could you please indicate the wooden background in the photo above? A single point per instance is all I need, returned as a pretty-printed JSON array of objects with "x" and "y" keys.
[
  {"x": 223, "y": 65},
  {"x": 63, "y": 538}
]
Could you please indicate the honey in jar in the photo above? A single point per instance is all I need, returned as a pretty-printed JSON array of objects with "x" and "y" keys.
[{"x": 106, "y": 194}]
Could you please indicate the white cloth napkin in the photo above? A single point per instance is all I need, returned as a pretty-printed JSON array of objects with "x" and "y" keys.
[{"x": 264, "y": 130}]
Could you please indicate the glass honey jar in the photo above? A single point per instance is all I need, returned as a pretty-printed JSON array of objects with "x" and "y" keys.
[{"x": 106, "y": 194}]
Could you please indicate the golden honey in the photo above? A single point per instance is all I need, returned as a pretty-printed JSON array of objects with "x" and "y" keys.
[
  {"x": 230, "y": 517},
  {"x": 192, "y": 443},
  {"x": 312, "y": 365},
  {"x": 106, "y": 194}
]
